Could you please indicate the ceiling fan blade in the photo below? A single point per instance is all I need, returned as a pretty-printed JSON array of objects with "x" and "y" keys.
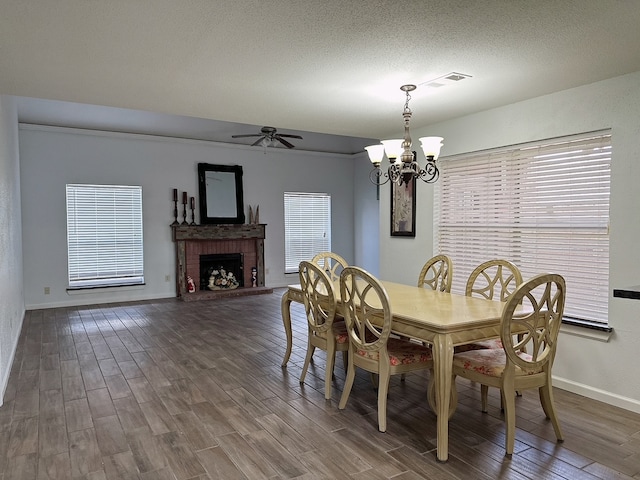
[
  {"x": 284, "y": 142},
  {"x": 289, "y": 136},
  {"x": 247, "y": 135},
  {"x": 258, "y": 142}
]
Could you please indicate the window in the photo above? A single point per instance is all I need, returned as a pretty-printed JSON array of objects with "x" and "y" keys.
[
  {"x": 307, "y": 227},
  {"x": 544, "y": 206},
  {"x": 104, "y": 235}
]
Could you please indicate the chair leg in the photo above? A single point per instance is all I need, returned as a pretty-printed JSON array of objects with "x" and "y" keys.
[
  {"x": 328, "y": 377},
  {"x": 307, "y": 359},
  {"x": 374, "y": 379},
  {"x": 509, "y": 402},
  {"x": 546, "y": 400},
  {"x": 383, "y": 390},
  {"x": 484, "y": 394},
  {"x": 348, "y": 383}
]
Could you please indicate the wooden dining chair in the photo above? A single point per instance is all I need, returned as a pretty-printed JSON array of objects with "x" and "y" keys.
[
  {"x": 437, "y": 274},
  {"x": 531, "y": 318},
  {"x": 326, "y": 331},
  {"x": 368, "y": 317},
  {"x": 331, "y": 263},
  {"x": 493, "y": 280}
]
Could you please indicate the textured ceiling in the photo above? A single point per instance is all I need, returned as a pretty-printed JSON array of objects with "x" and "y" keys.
[{"x": 330, "y": 67}]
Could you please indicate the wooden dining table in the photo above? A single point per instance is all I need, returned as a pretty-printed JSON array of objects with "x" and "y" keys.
[{"x": 444, "y": 320}]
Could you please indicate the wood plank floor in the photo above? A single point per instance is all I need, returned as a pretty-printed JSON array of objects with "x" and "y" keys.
[{"x": 194, "y": 390}]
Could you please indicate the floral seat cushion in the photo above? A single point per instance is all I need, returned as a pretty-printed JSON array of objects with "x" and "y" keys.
[
  {"x": 401, "y": 352},
  {"x": 488, "y": 361},
  {"x": 340, "y": 331}
]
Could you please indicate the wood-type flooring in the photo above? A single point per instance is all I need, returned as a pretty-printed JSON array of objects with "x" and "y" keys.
[{"x": 166, "y": 389}]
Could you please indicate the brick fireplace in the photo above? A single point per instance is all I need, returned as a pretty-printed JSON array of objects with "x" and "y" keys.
[{"x": 192, "y": 241}]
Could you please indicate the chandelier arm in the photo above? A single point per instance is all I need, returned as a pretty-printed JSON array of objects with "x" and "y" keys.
[
  {"x": 430, "y": 173},
  {"x": 376, "y": 175}
]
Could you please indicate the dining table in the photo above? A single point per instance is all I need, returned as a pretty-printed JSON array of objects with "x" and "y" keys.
[{"x": 441, "y": 319}]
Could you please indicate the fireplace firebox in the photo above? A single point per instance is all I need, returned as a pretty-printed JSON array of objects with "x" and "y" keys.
[{"x": 221, "y": 271}]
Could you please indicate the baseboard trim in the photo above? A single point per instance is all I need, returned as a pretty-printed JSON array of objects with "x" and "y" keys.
[{"x": 609, "y": 398}]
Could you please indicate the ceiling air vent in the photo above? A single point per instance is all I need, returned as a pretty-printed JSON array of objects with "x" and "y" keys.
[{"x": 448, "y": 79}]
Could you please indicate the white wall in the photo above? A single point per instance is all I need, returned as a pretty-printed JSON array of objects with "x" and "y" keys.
[
  {"x": 366, "y": 217},
  {"x": 598, "y": 369},
  {"x": 11, "y": 300},
  {"x": 52, "y": 157}
]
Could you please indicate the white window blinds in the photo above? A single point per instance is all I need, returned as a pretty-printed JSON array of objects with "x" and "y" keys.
[
  {"x": 543, "y": 206},
  {"x": 104, "y": 235},
  {"x": 307, "y": 227}
]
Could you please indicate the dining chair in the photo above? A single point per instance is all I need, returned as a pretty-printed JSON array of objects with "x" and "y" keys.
[
  {"x": 325, "y": 330},
  {"x": 437, "y": 274},
  {"x": 368, "y": 317},
  {"x": 331, "y": 263},
  {"x": 531, "y": 318},
  {"x": 493, "y": 279}
]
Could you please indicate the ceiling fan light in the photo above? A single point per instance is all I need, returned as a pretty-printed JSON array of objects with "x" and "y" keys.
[
  {"x": 376, "y": 153},
  {"x": 431, "y": 146},
  {"x": 393, "y": 148}
]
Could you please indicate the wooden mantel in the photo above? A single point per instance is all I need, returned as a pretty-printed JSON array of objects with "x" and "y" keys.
[{"x": 193, "y": 240}]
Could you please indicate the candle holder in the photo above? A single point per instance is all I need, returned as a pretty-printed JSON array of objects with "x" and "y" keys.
[
  {"x": 184, "y": 215},
  {"x": 175, "y": 213},
  {"x": 184, "y": 209},
  {"x": 175, "y": 208},
  {"x": 193, "y": 209}
]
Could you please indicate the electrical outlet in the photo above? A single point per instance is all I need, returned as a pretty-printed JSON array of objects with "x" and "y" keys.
[
  {"x": 266, "y": 271},
  {"x": 167, "y": 278},
  {"x": 47, "y": 290}
]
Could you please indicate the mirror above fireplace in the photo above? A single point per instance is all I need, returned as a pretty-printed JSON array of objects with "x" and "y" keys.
[{"x": 221, "y": 195}]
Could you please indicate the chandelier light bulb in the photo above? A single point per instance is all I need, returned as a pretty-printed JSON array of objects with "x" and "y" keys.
[
  {"x": 376, "y": 153},
  {"x": 393, "y": 148},
  {"x": 431, "y": 146}
]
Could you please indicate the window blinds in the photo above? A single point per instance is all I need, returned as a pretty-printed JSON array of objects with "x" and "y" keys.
[
  {"x": 307, "y": 227},
  {"x": 543, "y": 206},
  {"x": 104, "y": 235}
]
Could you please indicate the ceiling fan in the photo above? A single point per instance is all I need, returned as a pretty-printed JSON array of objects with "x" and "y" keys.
[{"x": 268, "y": 137}]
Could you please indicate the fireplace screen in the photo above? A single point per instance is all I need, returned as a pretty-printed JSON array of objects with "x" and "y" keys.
[{"x": 221, "y": 271}]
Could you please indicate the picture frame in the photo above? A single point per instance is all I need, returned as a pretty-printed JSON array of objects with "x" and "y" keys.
[{"x": 403, "y": 209}]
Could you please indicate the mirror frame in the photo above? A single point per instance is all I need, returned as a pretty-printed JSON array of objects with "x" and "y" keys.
[{"x": 208, "y": 214}]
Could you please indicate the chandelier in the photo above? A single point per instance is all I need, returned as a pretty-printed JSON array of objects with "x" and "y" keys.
[{"x": 403, "y": 166}]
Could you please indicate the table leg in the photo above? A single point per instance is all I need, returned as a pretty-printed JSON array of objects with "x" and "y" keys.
[
  {"x": 442, "y": 369},
  {"x": 285, "y": 305}
]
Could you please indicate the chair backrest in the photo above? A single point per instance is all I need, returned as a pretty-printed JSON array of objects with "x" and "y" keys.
[
  {"x": 319, "y": 297},
  {"x": 331, "y": 263},
  {"x": 437, "y": 274},
  {"x": 492, "y": 278},
  {"x": 366, "y": 310},
  {"x": 531, "y": 321}
]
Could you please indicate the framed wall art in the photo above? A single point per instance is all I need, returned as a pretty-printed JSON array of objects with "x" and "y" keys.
[{"x": 403, "y": 209}]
